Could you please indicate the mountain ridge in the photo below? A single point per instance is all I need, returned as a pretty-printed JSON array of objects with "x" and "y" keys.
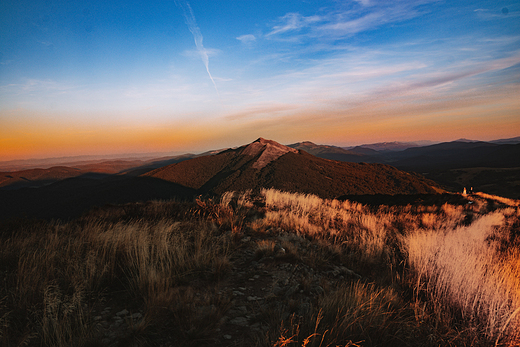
[{"x": 268, "y": 164}]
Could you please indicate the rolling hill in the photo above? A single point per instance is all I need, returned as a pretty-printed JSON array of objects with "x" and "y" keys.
[
  {"x": 268, "y": 164},
  {"x": 491, "y": 167},
  {"x": 355, "y": 154},
  {"x": 34, "y": 178}
]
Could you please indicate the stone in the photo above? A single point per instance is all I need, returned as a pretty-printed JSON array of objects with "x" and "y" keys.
[
  {"x": 228, "y": 337},
  {"x": 136, "y": 316},
  {"x": 122, "y": 313},
  {"x": 242, "y": 321},
  {"x": 277, "y": 291}
]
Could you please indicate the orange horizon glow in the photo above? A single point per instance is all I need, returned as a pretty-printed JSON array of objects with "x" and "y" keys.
[{"x": 57, "y": 138}]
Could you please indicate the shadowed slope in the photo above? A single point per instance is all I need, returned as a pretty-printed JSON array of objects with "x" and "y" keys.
[{"x": 73, "y": 196}]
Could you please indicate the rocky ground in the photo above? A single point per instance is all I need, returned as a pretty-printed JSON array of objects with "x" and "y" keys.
[{"x": 272, "y": 276}]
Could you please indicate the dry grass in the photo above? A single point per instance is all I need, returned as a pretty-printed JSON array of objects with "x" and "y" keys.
[
  {"x": 354, "y": 314},
  {"x": 462, "y": 268},
  {"x": 431, "y": 275},
  {"x": 55, "y": 275},
  {"x": 458, "y": 255}
]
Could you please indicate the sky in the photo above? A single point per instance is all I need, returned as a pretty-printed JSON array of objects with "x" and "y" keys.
[{"x": 110, "y": 77}]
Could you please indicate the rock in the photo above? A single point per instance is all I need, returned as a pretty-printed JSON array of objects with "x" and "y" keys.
[
  {"x": 137, "y": 316},
  {"x": 341, "y": 270},
  {"x": 242, "y": 321},
  {"x": 122, "y": 313},
  {"x": 277, "y": 291},
  {"x": 237, "y": 311},
  {"x": 228, "y": 337},
  {"x": 256, "y": 327}
]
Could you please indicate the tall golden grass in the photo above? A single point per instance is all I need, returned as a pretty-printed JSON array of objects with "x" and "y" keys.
[
  {"x": 446, "y": 274},
  {"x": 463, "y": 269}
]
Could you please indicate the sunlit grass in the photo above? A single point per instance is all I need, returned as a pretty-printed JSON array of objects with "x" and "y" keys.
[
  {"x": 463, "y": 268},
  {"x": 435, "y": 275}
]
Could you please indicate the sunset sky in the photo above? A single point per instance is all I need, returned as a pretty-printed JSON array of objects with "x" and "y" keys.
[{"x": 108, "y": 77}]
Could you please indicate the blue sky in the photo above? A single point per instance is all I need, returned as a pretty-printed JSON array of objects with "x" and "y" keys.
[{"x": 133, "y": 76}]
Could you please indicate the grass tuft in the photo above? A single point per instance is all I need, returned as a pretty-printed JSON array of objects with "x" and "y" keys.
[{"x": 355, "y": 275}]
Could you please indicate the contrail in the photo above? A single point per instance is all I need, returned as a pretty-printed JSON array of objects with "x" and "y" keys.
[{"x": 197, "y": 36}]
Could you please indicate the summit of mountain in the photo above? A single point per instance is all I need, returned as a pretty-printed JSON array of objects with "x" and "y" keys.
[
  {"x": 268, "y": 164},
  {"x": 266, "y": 150}
]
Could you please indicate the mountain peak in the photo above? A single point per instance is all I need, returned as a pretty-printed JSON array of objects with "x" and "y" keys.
[{"x": 268, "y": 150}]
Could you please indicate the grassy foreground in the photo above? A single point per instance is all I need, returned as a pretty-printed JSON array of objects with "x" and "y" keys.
[{"x": 273, "y": 269}]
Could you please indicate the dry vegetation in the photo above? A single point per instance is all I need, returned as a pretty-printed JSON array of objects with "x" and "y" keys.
[{"x": 336, "y": 274}]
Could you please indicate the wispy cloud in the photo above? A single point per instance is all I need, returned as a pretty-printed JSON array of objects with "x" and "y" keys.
[
  {"x": 337, "y": 24},
  {"x": 502, "y": 13},
  {"x": 384, "y": 84},
  {"x": 210, "y": 52},
  {"x": 255, "y": 111},
  {"x": 293, "y": 22},
  {"x": 197, "y": 36},
  {"x": 247, "y": 39}
]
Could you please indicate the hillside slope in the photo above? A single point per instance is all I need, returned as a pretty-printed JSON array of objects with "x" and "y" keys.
[{"x": 268, "y": 164}]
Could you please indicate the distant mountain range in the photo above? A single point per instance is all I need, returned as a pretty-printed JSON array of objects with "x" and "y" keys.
[
  {"x": 493, "y": 167},
  {"x": 324, "y": 170}
]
